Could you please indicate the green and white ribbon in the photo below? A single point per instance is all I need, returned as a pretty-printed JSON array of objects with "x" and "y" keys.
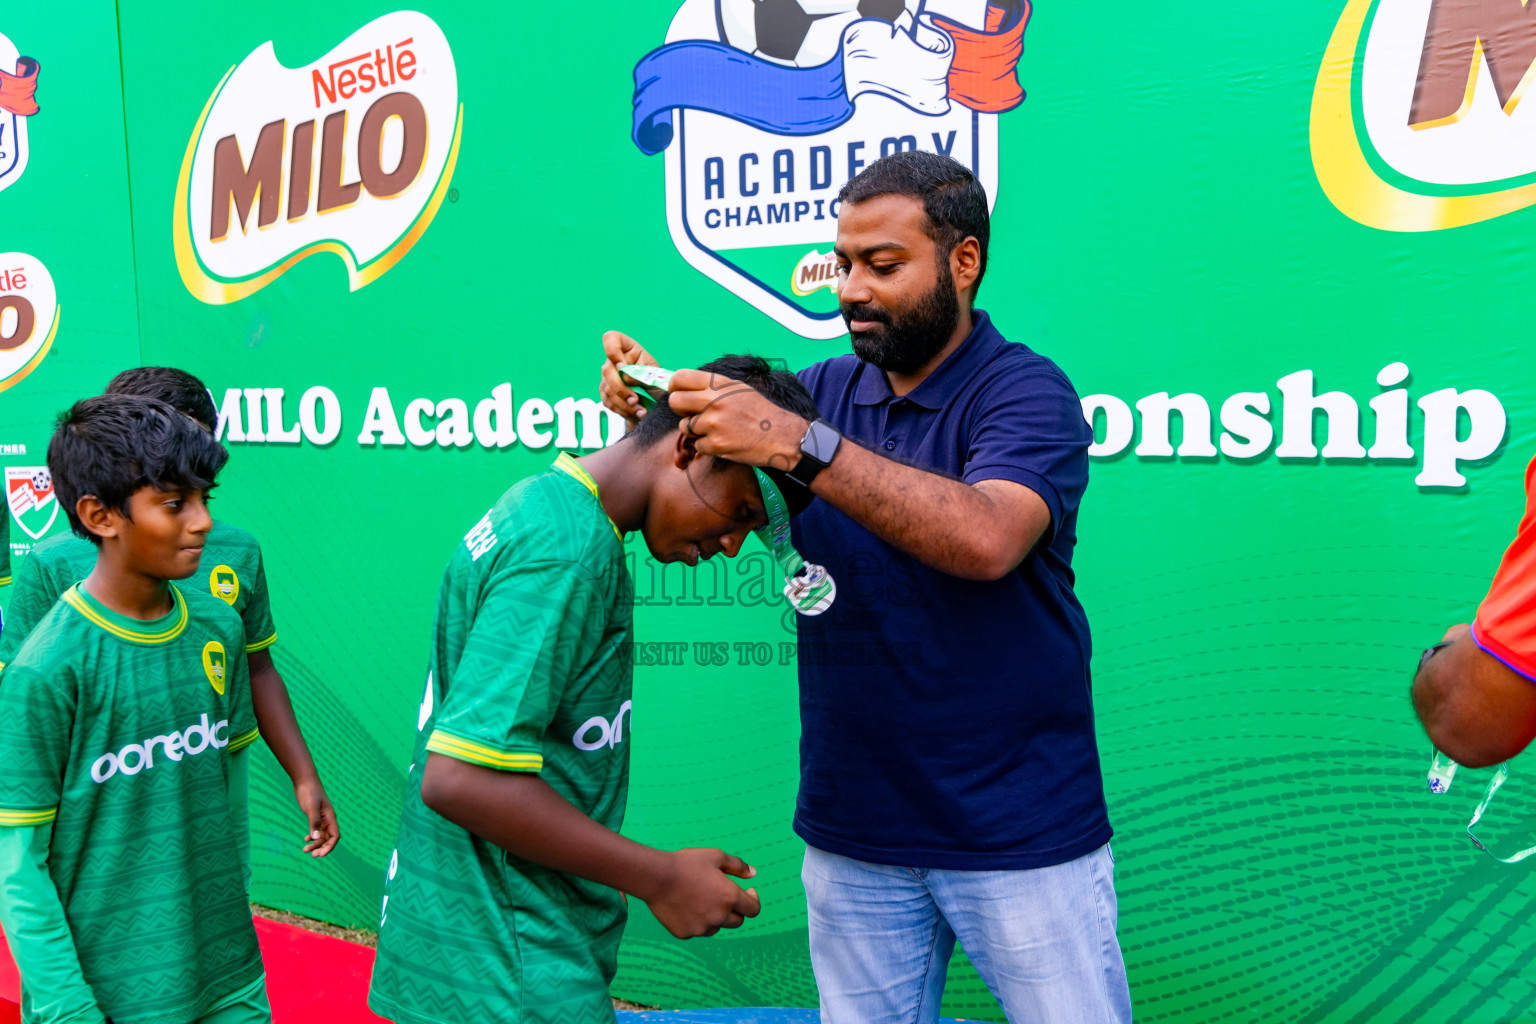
[{"x": 807, "y": 586}]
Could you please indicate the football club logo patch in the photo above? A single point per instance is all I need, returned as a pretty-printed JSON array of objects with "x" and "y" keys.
[
  {"x": 29, "y": 493},
  {"x": 763, "y": 109},
  {"x": 18, "y": 102},
  {"x": 213, "y": 665},
  {"x": 29, "y": 316},
  {"x": 224, "y": 584},
  {"x": 350, "y": 154}
]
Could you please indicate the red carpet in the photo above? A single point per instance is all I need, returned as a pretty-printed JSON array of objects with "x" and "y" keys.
[{"x": 310, "y": 978}]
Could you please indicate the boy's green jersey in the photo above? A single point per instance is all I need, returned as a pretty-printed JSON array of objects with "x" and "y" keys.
[
  {"x": 231, "y": 570},
  {"x": 530, "y": 671},
  {"x": 119, "y": 732},
  {"x": 5, "y": 549}
]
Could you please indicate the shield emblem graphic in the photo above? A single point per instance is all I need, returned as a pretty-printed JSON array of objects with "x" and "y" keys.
[
  {"x": 213, "y": 665},
  {"x": 18, "y": 88},
  {"x": 29, "y": 493},
  {"x": 762, "y": 111}
]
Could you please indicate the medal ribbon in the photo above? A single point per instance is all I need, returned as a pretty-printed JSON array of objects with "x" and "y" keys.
[{"x": 807, "y": 586}]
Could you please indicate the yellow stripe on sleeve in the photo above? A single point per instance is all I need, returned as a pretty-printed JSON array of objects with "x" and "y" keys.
[
  {"x": 241, "y": 742},
  {"x": 5, "y": 581},
  {"x": 477, "y": 753},
  {"x": 23, "y": 818},
  {"x": 261, "y": 645}
]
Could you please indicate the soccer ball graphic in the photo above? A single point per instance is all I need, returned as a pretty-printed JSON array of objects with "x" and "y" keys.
[
  {"x": 799, "y": 33},
  {"x": 42, "y": 480}
]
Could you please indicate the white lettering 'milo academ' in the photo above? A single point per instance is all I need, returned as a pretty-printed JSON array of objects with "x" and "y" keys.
[{"x": 136, "y": 757}]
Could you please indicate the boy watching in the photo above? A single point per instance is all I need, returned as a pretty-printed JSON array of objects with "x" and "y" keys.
[
  {"x": 231, "y": 570},
  {"x": 503, "y": 900},
  {"x": 121, "y": 722}
]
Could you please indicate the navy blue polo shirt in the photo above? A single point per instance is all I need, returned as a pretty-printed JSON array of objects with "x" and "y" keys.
[{"x": 948, "y": 723}]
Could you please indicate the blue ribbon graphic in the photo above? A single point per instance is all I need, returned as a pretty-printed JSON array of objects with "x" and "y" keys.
[{"x": 703, "y": 75}]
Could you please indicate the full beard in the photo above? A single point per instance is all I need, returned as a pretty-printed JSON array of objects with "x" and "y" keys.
[{"x": 907, "y": 342}]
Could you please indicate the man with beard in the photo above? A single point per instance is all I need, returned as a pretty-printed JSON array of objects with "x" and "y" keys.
[{"x": 950, "y": 785}]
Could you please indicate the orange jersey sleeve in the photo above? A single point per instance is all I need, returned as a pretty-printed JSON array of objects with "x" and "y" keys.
[{"x": 1506, "y": 620}]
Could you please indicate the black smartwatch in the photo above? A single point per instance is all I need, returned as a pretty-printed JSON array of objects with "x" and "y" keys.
[
  {"x": 1430, "y": 652},
  {"x": 817, "y": 449}
]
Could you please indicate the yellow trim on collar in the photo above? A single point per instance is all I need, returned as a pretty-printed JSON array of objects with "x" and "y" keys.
[
  {"x": 570, "y": 467},
  {"x": 73, "y": 598}
]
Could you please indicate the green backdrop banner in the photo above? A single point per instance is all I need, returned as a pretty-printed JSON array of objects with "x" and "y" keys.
[{"x": 1282, "y": 260}]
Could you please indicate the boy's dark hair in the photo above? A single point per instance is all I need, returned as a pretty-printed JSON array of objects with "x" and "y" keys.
[
  {"x": 780, "y": 387},
  {"x": 176, "y": 388},
  {"x": 110, "y": 446},
  {"x": 953, "y": 199}
]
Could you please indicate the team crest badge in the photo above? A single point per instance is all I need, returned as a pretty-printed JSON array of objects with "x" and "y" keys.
[
  {"x": 29, "y": 493},
  {"x": 224, "y": 584},
  {"x": 213, "y": 665},
  {"x": 18, "y": 102},
  {"x": 763, "y": 109}
]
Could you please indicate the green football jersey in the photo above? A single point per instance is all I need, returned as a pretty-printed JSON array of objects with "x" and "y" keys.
[
  {"x": 231, "y": 570},
  {"x": 530, "y": 671},
  {"x": 119, "y": 732},
  {"x": 5, "y": 549}
]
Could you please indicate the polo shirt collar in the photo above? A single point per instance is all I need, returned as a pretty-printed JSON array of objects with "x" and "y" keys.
[{"x": 944, "y": 383}]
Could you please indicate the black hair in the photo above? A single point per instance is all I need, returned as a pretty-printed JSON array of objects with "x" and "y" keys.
[
  {"x": 953, "y": 199},
  {"x": 176, "y": 388},
  {"x": 780, "y": 387},
  {"x": 111, "y": 446}
]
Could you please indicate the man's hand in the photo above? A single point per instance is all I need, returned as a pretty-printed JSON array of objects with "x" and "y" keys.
[
  {"x": 697, "y": 898},
  {"x": 732, "y": 420},
  {"x": 620, "y": 349},
  {"x": 324, "y": 831},
  {"x": 1475, "y": 708}
]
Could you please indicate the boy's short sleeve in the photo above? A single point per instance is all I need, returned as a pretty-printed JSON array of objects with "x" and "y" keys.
[
  {"x": 260, "y": 631},
  {"x": 242, "y": 714},
  {"x": 1030, "y": 430},
  {"x": 534, "y": 630},
  {"x": 1506, "y": 620},
  {"x": 36, "y": 717}
]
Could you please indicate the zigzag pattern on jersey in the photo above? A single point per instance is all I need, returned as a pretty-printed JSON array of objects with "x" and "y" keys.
[
  {"x": 452, "y": 945},
  {"x": 456, "y": 976},
  {"x": 147, "y": 863}
]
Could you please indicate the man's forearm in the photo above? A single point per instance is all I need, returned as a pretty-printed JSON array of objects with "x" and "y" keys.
[
  {"x": 522, "y": 814},
  {"x": 274, "y": 715},
  {"x": 1474, "y": 709},
  {"x": 38, "y": 933},
  {"x": 945, "y": 524}
]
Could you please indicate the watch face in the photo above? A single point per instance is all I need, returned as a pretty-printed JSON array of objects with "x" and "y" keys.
[{"x": 820, "y": 442}]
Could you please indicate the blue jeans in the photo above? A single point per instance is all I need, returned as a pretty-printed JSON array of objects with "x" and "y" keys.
[{"x": 1043, "y": 940}]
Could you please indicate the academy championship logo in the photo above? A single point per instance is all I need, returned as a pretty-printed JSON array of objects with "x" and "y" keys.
[
  {"x": 349, "y": 155},
  {"x": 18, "y": 102},
  {"x": 765, "y": 108},
  {"x": 1417, "y": 119},
  {"x": 29, "y": 316},
  {"x": 29, "y": 493}
]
